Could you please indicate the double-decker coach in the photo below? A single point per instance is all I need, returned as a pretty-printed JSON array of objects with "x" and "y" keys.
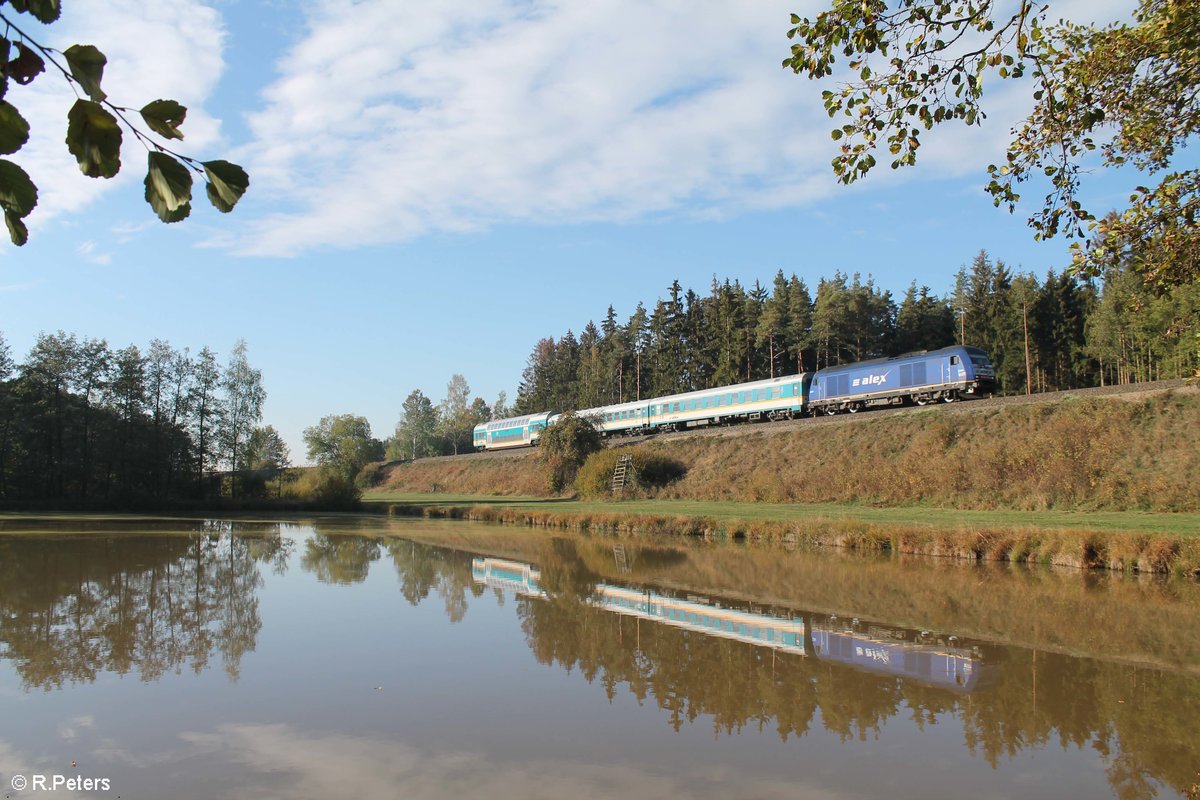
[{"x": 511, "y": 432}]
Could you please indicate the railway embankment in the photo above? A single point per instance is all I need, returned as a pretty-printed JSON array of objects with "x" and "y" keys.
[{"x": 1102, "y": 455}]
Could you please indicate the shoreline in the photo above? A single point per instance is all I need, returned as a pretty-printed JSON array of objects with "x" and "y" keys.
[{"x": 1132, "y": 551}]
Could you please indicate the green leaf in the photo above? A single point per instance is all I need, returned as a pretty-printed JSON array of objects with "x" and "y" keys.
[
  {"x": 226, "y": 184},
  {"x": 16, "y": 229},
  {"x": 168, "y": 187},
  {"x": 164, "y": 118},
  {"x": 18, "y": 195},
  {"x": 26, "y": 66},
  {"x": 836, "y": 133},
  {"x": 46, "y": 11},
  {"x": 5, "y": 48},
  {"x": 94, "y": 138},
  {"x": 87, "y": 67},
  {"x": 14, "y": 130}
]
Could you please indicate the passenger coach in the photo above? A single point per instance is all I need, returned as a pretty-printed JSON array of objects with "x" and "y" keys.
[
  {"x": 511, "y": 432},
  {"x": 774, "y": 398}
]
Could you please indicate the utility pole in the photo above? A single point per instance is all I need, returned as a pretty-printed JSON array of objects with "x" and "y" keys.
[{"x": 1025, "y": 321}]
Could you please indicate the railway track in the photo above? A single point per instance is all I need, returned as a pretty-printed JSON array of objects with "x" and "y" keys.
[{"x": 1135, "y": 391}]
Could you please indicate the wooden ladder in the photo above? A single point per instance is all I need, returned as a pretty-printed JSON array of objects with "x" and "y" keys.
[
  {"x": 619, "y": 558},
  {"x": 622, "y": 472}
]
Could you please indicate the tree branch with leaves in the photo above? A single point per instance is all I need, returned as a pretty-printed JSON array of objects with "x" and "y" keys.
[
  {"x": 1122, "y": 94},
  {"x": 95, "y": 129}
]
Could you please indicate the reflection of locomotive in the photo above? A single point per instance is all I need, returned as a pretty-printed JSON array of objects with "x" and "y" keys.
[
  {"x": 937, "y": 661},
  {"x": 923, "y": 377},
  {"x": 942, "y": 662}
]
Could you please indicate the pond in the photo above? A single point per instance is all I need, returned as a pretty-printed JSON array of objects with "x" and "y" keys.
[{"x": 363, "y": 657}]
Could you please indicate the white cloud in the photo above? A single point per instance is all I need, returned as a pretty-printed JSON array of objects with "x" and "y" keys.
[
  {"x": 393, "y": 120},
  {"x": 88, "y": 252},
  {"x": 19, "y": 287},
  {"x": 71, "y": 728},
  {"x": 155, "y": 48},
  {"x": 284, "y": 762}
]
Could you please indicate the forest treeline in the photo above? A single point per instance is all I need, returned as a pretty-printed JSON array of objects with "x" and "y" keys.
[
  {"x": 1044, "y": 335},
  {"x": 1056, "y": 333},
  {"x": 83, "y": 423}
]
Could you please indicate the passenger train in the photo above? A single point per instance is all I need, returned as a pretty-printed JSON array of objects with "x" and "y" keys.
[{"x": 944, "y": 375}]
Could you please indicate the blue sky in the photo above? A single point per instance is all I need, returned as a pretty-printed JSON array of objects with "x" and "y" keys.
[{"x": 435, "y": 186}]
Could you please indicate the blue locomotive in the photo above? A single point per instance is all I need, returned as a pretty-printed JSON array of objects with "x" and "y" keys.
[
  {"x": 945, "y": 375},
  {"x": 924, "y": 377}
]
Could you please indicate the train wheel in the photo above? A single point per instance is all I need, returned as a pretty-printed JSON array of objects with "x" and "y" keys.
[
  {"x": 949, "y": 397},
  {"x": 853, "y": 409},
  {"x": 921, "y": 401}
]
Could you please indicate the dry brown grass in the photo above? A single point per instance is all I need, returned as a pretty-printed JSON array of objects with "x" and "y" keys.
[
  {"x": 467, "y": 475},
  {"x": 1098, "y": 454},
  {"x": 1094, "y": 454}
]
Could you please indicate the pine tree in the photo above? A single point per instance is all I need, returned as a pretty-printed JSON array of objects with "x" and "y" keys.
[{"x": 799, "y": 324}]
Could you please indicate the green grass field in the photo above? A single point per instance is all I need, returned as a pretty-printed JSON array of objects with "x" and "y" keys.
[{"x": 1183, "y": 525}]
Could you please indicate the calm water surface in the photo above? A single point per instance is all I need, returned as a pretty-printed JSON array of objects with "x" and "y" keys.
[{"x": 370, "y": 658}]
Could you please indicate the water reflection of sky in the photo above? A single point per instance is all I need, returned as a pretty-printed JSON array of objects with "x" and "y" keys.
[{"x": 348, "y": 689}]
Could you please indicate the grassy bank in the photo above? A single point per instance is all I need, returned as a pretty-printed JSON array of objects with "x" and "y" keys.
[
  {"x": 1102, "y": 454},
  {"x": 1165, "y": 543},
  {"x": 1092, "y": 483}
]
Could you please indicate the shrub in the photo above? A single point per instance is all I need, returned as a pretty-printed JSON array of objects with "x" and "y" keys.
[
  {"x": 334, "y": 492},
  {"x": 565, "y": 446},
  {"x": 594, "y": 478},
  {"x": 651, "y": 470},
  {"x": 324, "y": 488},
  {"x": 371, "y": 475}
]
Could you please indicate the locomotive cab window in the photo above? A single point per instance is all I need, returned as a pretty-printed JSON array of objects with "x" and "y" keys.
[{"x": 953, "y": 360}]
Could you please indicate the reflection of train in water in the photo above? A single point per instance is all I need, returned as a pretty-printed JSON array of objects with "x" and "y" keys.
[
  {"x": 940, "y": 662},
  {"x": 929, "y": 659}
]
